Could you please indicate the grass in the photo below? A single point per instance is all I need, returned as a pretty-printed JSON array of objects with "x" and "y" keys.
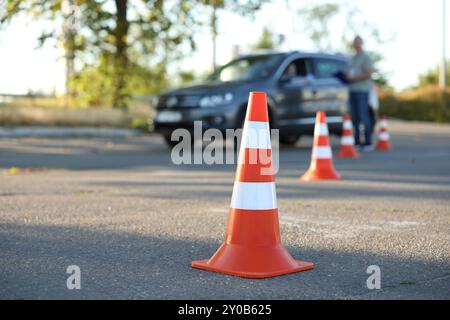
[
  {"x": 51, "y": 112},
  {"x": 16, "y": 170}
]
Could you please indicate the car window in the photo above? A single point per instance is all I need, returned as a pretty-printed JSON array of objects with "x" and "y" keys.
[
  {"x": 248, "y": 68},
  {"x": 327, "y": 68},
  {"x": 297, "y": 68}
]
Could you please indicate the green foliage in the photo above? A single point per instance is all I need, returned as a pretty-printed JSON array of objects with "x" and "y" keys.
[
  {"x": 242, "y": 7},
  {"x": 93, "y": 85},
  {"x": 431, "y": 77},
  {"x": 378, "y": 76},
  {"x": 316, "y": 19},
  {"x": 159, "y": 31},
  {"x": 187, "y": 77},
  {"x": 132, "y": 40},
  {"x": 266, "y": 40},
  {"x": 422, "y": 104},
  {"x": 140, "y": 123}
]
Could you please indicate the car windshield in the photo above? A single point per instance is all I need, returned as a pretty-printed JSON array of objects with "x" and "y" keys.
[{"x": 248, "y": 68}]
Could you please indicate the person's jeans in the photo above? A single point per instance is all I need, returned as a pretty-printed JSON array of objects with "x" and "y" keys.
[{"x": 359, "y": 109}]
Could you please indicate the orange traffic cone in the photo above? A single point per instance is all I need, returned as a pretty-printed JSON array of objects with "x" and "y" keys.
[
  {"x": 383, "y": 136},
  {"x": 321, "y": 167},
  {"x": 252, "y": 247},
  {"x": 347, "y": 140}
]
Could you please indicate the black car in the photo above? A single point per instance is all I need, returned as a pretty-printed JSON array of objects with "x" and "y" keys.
[{"x": 297, "y": 85}]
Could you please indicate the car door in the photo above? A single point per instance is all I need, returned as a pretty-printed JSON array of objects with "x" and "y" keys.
[
  {"x": 296, "y": 91},
  {"x": 331, "y": 94}
]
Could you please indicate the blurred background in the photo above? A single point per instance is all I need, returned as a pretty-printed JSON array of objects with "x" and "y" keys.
[{"x": 102, "y": 63}]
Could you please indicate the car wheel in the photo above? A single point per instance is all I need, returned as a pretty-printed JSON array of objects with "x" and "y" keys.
[{"x": 289, "y": 140}]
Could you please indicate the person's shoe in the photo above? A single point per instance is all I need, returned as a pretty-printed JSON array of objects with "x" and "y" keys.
[{"x": 368, "y": 147}]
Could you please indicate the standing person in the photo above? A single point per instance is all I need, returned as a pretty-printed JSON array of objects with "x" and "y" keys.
[{"x": 359, "y": 72}]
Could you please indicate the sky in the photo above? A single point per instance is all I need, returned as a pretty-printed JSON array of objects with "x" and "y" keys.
[{"x": 414, "y": 27}]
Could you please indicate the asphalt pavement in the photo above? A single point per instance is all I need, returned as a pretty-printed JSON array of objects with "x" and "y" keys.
[{"x": 117, "y": 207}]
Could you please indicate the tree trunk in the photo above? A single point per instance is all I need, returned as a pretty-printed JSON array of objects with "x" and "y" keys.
[
  {"x": 120, "y": 66},
  {"x": 68, "y": 10},
  {"x": 214, "y": 34}
]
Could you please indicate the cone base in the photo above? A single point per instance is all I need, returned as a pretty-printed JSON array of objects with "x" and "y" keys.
[
  {"x": 383, "y": 148},
  {"x": 301, "y": 266},
  {"x": 245, "y": 262},
  {"x": 348, "y": 152},
  {"x": 383, "y": 145},
  {"x": 316, "y": 175}
]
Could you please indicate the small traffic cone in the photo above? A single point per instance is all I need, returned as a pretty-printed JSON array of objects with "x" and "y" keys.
[
  {"x": 321, "y": 167},
  {"x": 252, "y": 247},
  {"x": 347, "y": 140},
  {"x": 383, "y": 136}
]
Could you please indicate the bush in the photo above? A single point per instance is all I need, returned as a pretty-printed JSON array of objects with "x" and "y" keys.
[
  {"x": 422, "y": 104},
  {"x": 140, "y": 123}
]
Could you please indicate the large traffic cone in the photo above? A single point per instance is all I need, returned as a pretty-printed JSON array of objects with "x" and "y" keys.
[
  {"x": 383, "y": 136},
  {"x": 321, "y": 167},
  {"x": 252, "y": 247},
  {"x": 347, "y": 140}
]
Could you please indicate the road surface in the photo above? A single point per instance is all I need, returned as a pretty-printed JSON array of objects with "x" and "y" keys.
[{"x": 133, "y": 221}]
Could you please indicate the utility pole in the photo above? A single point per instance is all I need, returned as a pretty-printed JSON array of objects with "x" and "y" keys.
[
  {"x": 214, "y": 34},
  {"x": 293, "y": 22},
  {"x": 443, "y": 81},
  {"x": 68, "y": 11}
]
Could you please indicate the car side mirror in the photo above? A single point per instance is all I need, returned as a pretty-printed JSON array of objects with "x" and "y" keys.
[{"x": 285, "y": 79}]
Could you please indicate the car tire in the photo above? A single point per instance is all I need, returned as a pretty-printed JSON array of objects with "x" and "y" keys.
[{"x": 289, "y": 140}]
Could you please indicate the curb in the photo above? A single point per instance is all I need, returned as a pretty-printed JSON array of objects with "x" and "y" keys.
[{"x": 68, "y": 132}]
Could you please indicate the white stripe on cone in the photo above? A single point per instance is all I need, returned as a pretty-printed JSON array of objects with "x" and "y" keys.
[
  {"x": 321, "y": 152},
  {"x": 383, "y": 136},
  {"x": 347, "y": 141},
  {"x": 321, "y": 130},
  {"x": 347, "y": 125},
  {"x": 383, "y": 123},
  {"x": 254, "y": 196},
  {"x": 256, "y": 135}
]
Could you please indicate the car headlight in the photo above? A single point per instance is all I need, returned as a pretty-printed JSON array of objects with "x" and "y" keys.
[{"x": 216, "y": 100}]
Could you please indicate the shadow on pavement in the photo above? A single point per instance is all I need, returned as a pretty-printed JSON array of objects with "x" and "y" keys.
[
  {"x": 178, "y": 188},
  {"x": 118, "y": 265}
]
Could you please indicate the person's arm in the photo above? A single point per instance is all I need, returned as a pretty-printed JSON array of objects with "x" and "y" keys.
[{"x": 366, "y": 74}]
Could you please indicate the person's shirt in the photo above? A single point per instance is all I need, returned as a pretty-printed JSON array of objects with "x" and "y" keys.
[{"x": 358, "y": 64}]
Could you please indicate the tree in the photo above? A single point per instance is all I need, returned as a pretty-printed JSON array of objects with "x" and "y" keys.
[
  {"x": 431, "y": 77},
  {"x": 316, "y": 23},
  {"x": 266, "y": 40},
  {"x": 242, "y": 7},
  {"x": 109, "y": 30},
  {"x": 69, "y": 32}
]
